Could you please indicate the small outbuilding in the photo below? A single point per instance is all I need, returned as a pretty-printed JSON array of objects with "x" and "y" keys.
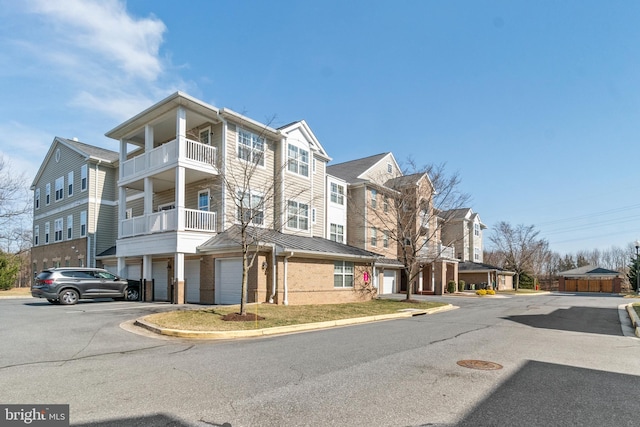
[
  {"x": 590, "y": 278},
  {"x": 478, "y": 275}
]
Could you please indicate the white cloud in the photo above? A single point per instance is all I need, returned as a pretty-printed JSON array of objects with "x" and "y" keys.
[{"x": 105, "y": 27}]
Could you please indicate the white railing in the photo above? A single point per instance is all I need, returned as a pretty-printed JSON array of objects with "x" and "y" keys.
[
  {"x": 167, "y": 220},
  {"x": 437, "y": 251},
  {"x": 199, "y": 220},
  {"x": 169, "y": 153}
]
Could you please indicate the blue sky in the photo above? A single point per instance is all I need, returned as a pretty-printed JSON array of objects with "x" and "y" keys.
[{"x": 535, "y": 103}]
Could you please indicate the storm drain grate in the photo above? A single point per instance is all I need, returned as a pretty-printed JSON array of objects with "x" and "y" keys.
[{"x": 479, "y": 364}]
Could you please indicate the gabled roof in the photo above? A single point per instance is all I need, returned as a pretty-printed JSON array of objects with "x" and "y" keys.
[
  {"x": 461, "y": 214},
  {"x": 406, "y": 180},
  {"x": 476, "y": 267},
  {"x": 308, "y": 134},
  {"x": 89, "y": 152},
  {"x": 352, "y": 170},
  {"x": 589, "y": 270},
  {"x": 230, "y": 239}
]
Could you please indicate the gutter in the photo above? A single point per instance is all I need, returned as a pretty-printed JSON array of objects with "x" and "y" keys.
[{"x": 285, "y": 300}]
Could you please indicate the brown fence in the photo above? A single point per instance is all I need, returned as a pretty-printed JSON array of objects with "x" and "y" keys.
[{"x": 594, "y": 285}]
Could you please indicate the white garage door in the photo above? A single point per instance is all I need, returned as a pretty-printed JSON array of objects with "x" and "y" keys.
[
  {"x": 134, "y": 271},
  {"x": 389, "y": 282},
  {"x": 228, "y": 281},
  {"x": 160, "y": 281},
  {"x": 113, "y": 269},
  {"x": 192, "y": 277}
]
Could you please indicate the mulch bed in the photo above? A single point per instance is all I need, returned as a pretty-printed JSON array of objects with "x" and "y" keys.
[{"x": 237, "y": 317}]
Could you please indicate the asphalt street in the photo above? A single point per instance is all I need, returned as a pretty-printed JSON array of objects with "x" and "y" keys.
[{"x": 562, "y": 360}]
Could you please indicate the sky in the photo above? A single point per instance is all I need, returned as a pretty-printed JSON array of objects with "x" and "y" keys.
[{"x": 535, "y": 104}]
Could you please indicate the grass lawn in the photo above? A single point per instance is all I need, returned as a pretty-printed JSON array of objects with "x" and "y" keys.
[
  {"x": 520, "y": 291},
  {"x": 278, "y": 315},
  {"x": 636, "y": 307},
  {"x": 16, "y": 292}
]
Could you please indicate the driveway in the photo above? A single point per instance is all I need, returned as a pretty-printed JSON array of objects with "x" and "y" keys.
[{"x": 551, "y": 370}]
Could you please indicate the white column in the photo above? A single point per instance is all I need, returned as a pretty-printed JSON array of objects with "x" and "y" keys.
[
  {"x": 122, "y": 267},
  {"x": 148, "y": 196},
  {"x": 148, "y": 144},
  {"x": 180, "y": 190},
  {"x": 123, "y": 157},
  {"x": 122, "y": 207}
]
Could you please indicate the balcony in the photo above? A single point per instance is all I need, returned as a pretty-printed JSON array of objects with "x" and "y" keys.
[
  {"x": 167, "y": 220},
  {"x": 169, "y": 155},
  {"x": 436, "y": 251}
]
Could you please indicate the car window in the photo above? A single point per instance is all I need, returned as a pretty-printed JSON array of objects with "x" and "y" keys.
[
  {"x": 104, "y": 275},
  {"x": 43, "y": 275},
  {"x": 77, "y": 274}
]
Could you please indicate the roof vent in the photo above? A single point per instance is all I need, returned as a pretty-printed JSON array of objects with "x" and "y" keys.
[{"x": 75, "y": 138}]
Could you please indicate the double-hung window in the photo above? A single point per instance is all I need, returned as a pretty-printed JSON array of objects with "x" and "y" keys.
[
  {"x": 70, "y": 184},
  {"x": 250, "y": 208},
  {"x": 69, "y": 227},
  {"x": 374, "y": 236},
  {"x": 374, "y": 198},
  {"x": 342, "y": 274},
  {"x": 36, "y": 235},
  {"x": 203, "y": 200},
  {"x": 57, "y": 227},
  {"x": 337, "y": 193},
  {"x": 83, "y": 178},
  {"x": 298, "y": 160},
  {"x": 385, "y": 239},
  {"x": 83, "y": 224},
  {"x": 476, "y": 229},
  {"x": 47, "y": 193},
  {"x": 298, "y": 215},
  {"x": 37, "y": 197},
  {"x": 46, "y": 233},
  {"x": 336, "y": 233},
  {"x": 59, "y": 188},
  {"x": 250, "y": 147}
]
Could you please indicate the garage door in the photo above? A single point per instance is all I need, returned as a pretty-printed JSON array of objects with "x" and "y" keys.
[
  {"x": 134, "y": 272},
  {"x": 159, "y": 273},
  {"x": 228, "y": 281},
  {"x": 192, "y": 277},
  {"x": 388, "y": 282}
]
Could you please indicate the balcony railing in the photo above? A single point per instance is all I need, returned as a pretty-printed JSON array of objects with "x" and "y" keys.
[
  {"x": 438, "y": 251},
  {"x": 167, "y": 220},
  {"x": 169, "y": 153}
]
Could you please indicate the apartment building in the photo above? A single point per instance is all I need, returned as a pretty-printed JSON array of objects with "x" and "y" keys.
[
  {"x": 74, "y": 205},
  {"x": 391, "y": 214},
  {"x": 190, "y": 175},
  {"x": 463, "y": 229}
]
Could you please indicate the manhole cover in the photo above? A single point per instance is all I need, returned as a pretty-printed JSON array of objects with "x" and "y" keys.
[{"x": 479, "y": 364}]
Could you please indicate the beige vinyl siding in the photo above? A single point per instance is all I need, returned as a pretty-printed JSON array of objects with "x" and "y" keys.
[
  {"x": 261, "y": 181},
  {"x": 355, "y": 217},
  {"x": 379, "y": 173}
]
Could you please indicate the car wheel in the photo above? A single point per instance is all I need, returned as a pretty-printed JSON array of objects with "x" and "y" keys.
[
  {"x": 132, "y": 294},
  {"x": 53, "y": 301},
  {"x": 69, "y": 297}
]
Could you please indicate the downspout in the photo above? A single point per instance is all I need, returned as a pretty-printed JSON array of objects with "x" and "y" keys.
[
  {"x": 273, "y": 274},
  {"x": 285, "y": 300}
]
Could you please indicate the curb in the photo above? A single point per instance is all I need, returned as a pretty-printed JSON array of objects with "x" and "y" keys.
[
  {"x": 635, "y": 320},
  {"x": 277, "y": 330}
]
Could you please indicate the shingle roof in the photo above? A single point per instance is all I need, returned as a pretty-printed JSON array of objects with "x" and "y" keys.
[
  {"x": 91, "y": 150},
  {"x": 351, "y": 170},
  {"x": 402, "y": 181},
  {"x": 589, "y": 270},
  {"x": 231, "y": 239},
  {"x": 478, "y": 266}
]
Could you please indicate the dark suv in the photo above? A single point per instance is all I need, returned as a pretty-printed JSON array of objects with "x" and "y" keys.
[{"x": 66, "y": 285}]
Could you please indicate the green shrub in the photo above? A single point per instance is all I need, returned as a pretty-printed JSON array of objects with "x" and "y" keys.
[
  {"x": 451, "y": 286},
  {"x": 461, "y": 284}
]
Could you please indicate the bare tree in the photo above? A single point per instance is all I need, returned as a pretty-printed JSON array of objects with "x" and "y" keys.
[
  {"x": 412, "y": 214},
  {"x": 14, "y": 205},
  {"x": 253, "y": 188},
  {"x": 519, "y": 246}
]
